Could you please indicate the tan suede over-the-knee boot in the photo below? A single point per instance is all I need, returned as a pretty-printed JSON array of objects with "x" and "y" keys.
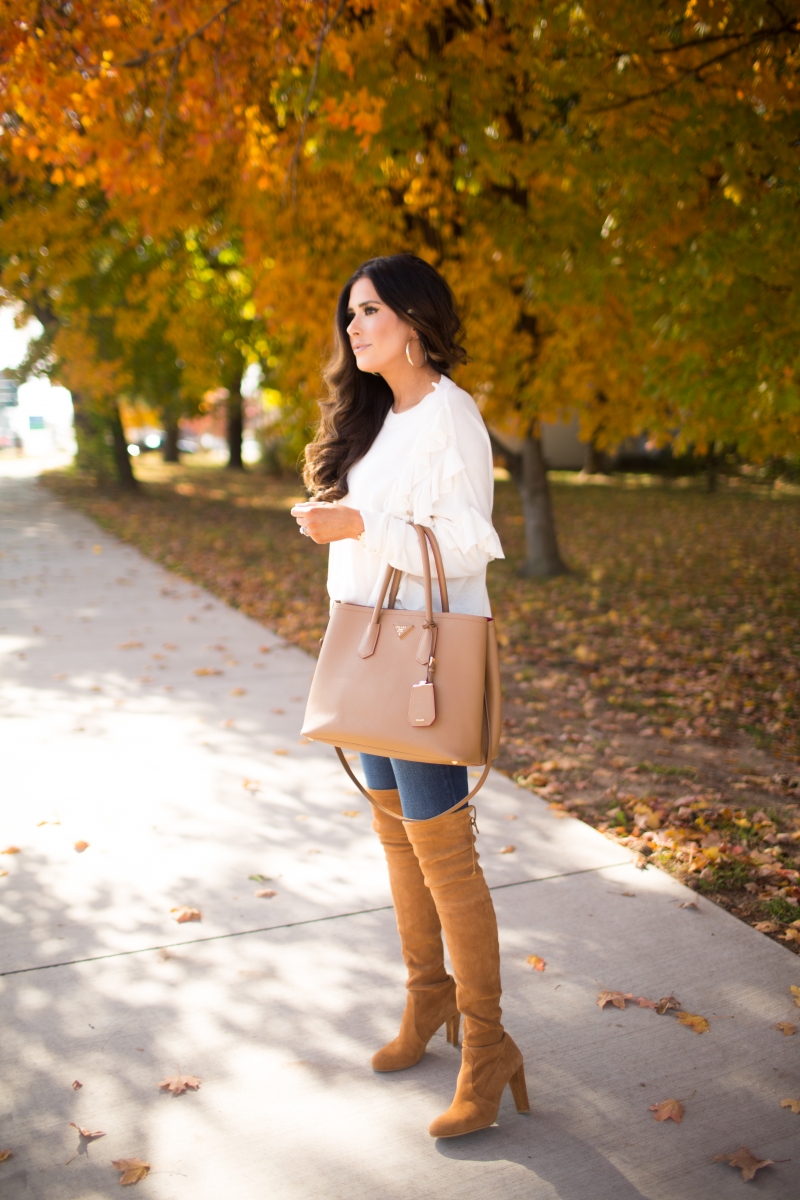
[
  {"x": 445, "y": 848},
  {"x": 431, "y": 992}
]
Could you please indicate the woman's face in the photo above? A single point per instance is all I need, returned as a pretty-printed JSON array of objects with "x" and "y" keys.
[{"x": 377, "y": 335}]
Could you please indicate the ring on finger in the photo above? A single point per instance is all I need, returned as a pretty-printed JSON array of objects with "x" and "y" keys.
[{"x": 304, "y": 531}]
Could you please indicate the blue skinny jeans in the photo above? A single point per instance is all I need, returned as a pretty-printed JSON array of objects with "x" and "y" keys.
[{"x": 426, "y": 789}]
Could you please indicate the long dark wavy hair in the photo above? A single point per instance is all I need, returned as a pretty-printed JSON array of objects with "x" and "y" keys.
[{"x": 357, "y": 402}]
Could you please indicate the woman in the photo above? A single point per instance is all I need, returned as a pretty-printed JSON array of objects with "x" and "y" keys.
[{"x": 398, "y": 443}]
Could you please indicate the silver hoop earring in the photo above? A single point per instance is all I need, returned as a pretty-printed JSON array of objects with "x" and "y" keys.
[{"x": 408, "y": 355}]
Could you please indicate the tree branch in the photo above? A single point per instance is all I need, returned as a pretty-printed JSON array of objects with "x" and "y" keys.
[
  {"x": 291, "y": 170},
  {"x": 148, "y": 55},
  {"x": 167, "y": 95}
]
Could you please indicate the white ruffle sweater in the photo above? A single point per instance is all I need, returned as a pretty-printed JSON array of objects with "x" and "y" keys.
[{"x": 431, "y": 465}]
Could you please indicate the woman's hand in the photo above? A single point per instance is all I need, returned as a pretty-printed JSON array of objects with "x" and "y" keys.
[{"x": 328, "y": 522}]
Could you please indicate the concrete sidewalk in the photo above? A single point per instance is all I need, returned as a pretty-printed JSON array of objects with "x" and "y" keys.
[{"x": 143, "y": 716}]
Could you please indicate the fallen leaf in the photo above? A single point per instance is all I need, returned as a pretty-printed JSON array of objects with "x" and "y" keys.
[
  {"x": 630, "y": 895},
  {"x": 536, "y": 962},
  {"x": 786, "y": 1028},
  {"x": 266, "y": 893},
  {"x": 177, "y": 1084},
  {"x": 87, "y": 1133},
  {"x": 81, "y": 846},
  {"x": 264, "y": 649},
  {"x": 237, "y": 692},
  {"x": 76, "y": 1083},
  {"x": 509, "y": 816},
  {"x": 643, "y": 1002},
  {"x": 616, "y": 998},
  {"x": 640, "y": 862},
  {"x": 280, "y": 751},
  {"x": 11, "y": 850},
  {"x": 790, "y": 935},
  {"x": 351, "y": 812},
  {"x": 260, "y": 878},
  {"x": 666, "y": 1003},
  {"x": 745, "y": 1160},
  {"x": 97, "y": 549},
  {"x": 767, "y": 926},
  {"x": 688, "y": 904},
  {"x": 251, "y": 785},
  {"x": 133, "y": 1169},
  {"x": 508, "y": 849},
  {"x": 129, "y": 645},
  {"x": 184, "y": 914},
  {"x": 2, "y": 873},
  {"x": 207, "y": 671},
  {"x": 4, "y": 1154},
  {"x": 693, "y": 1021},
  {"x": 667, "y": 1110},
  {"x": 280, "y": 711},
  {"x": 796, "y": 994},
  {"x": 794, "y": 1105}
]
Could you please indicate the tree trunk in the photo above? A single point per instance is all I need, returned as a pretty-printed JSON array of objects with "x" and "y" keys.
[
  {"x": 596, "y": 461},
  {"x": 529, "y": 472},
  {"x": 125, "y": 475},
  {"x": 711, "y": 470},
  {"x": 235, "y": 427},
  {"x": 172, "y": 430}
]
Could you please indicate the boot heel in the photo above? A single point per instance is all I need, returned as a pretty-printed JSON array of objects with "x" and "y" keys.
[
  {"x": 452, "y": 1029},
  {"x": 519, "y": 1091}
]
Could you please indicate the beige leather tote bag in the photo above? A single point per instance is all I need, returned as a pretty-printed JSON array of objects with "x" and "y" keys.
[{"x": 422, "y": 686}]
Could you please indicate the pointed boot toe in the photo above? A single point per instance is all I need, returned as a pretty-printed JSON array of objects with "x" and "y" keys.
[
  {"x": 427, "y": 1009},
  {"x": 484, "y": 1073}
]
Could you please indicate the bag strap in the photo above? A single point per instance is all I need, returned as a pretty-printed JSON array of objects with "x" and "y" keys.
[{"x": 459, "y": 804}]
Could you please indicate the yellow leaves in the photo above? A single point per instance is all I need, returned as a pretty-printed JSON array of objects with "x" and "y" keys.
[
  {"x": 81, "y": 846},
  {"x": 536, "y": 962},
  {"x": 207, "y": 671},
  {"x": 11, "y": 850},
  {"x": 795, "y": 994},
  {"x": 794, "y": 1105},
  {"x": 178, "y": 1084},
  {"x": 731, "y": 192},
  {"x": 133, "y": 1169},
  {"x": 508, "y": 850},
  {"x": 351, "y": 812},
  {"x": 667, "y": 1110},
  {"x": 693, "y": 1021},
  {"x": 5, "y": 1155},
  {"x": 184, "y": 913},
  {"x": 745, "y": 1160},
  {"x": 786, "y": 1028}
]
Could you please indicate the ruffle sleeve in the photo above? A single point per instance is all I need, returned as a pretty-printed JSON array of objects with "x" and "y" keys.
[{"x": 446, "y": 483}]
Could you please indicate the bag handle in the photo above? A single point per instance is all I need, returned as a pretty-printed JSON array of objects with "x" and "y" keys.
[
  {"x": 459, "y": 804},
  {"x": 392, "y": 577}
]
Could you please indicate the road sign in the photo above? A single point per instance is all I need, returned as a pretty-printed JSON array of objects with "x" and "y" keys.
[{"x": 8, "y": 394}]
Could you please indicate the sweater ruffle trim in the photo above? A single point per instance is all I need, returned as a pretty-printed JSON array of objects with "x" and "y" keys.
[{"x": 432, "y": 470}]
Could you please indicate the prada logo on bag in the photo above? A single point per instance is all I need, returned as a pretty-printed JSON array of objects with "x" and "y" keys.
[{"x": 401, "y": 630}]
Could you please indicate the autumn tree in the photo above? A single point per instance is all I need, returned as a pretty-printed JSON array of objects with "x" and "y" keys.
[{"x": 609, "y": 188}]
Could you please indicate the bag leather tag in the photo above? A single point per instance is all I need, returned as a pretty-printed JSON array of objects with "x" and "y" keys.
[{"x": 422, "y": 705}]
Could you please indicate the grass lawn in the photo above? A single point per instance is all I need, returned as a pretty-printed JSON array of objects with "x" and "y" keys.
[{"x": 653, "y": 691}]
